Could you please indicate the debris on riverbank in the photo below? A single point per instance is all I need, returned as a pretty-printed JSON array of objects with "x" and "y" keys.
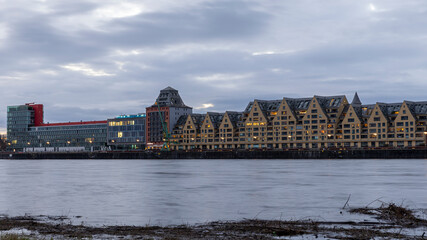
[{"x": 393, "y": 222}]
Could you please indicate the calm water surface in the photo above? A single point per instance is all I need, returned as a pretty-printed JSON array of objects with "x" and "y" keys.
[{"x": 140, "y": 192}]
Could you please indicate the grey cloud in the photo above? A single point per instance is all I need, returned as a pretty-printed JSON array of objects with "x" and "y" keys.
[
  {"x": 340, "y": 47},
  {"x": 217, "y": 21}
]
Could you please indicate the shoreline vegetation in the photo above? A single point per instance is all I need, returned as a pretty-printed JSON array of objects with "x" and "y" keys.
[
  {"x": 388, "y": 221},
  {"x": 416, "y": 153}
]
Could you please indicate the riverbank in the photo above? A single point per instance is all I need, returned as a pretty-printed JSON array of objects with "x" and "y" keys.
[
  {"x": 232, "y": 154},
  {"x": 390, "y": 222}
]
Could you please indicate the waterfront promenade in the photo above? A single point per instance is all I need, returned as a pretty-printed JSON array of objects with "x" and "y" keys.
[{"x": 420, "y": 153}]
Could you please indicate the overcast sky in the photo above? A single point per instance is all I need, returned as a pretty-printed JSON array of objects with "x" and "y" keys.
[{"x": 96, "y": 59}]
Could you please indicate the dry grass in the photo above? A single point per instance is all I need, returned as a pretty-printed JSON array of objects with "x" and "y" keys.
[
  {"x": 12, "y": 237},
  {"x": 391, "y": 220}
]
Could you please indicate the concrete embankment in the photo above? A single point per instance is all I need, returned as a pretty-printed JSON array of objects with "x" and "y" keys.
[{"x": 311, "y": 154}]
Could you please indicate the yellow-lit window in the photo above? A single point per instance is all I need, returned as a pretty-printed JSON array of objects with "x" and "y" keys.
[
  {"x": 120, "y": 134},
  {"x": 248, "y": 124}
]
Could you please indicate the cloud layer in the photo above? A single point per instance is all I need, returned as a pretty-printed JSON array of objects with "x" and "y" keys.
[{"x": 90, "y": 60}]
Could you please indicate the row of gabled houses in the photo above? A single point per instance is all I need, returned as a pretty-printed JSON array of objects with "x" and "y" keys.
[{"x": 305, "y": 123}]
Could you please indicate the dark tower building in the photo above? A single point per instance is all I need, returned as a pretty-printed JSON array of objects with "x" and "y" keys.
[{"x": 170, "y": 105}]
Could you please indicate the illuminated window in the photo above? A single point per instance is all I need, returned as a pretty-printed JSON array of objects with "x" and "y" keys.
[{"x": 120, "y": 134}]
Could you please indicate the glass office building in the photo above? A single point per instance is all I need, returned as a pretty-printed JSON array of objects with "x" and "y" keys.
[
  {"x": 126, "y": 132},
  {"x": 27, "y": 132},
  {"x": 69, "y": 136}
]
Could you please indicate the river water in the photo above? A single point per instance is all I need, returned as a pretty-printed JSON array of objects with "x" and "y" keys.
[{"x": 139, "y": 192}]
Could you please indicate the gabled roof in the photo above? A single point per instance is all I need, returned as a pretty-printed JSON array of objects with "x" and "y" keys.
[
  {"x": 181, "y": 121},
  {"x": 390, "y": 109},
  {"x": 264, "y": 105},
  {"x": 197, "y": 119},
  {"x": 365, "y": 110},
  {"x": 330, "y": 101},
  {"x": 269, "y": 105},
  {"x": 298, "y": 103},
  {"x": 215, "y": 118},
  {"x": 358, "y": 111},
  {"x": 249, "y": 107},
  {"x": 417, "y": 107},
  {"x": 235, "y": 117}
]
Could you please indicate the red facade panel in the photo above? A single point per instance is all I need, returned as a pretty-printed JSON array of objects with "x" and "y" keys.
[
  {"x": 38, "y": 113},
  {"x": 73, "y": 123},
  {"x": 38, "y": 118}
]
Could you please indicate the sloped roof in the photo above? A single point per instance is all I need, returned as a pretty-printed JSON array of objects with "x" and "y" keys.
[
  {"x": 330, "y": 101},
  {"x": 169, "y": 97},
  {"x": 358, "y": 111},
  {"x": 181, "y": 121},
  {"x": 390, "y": 109},
  {"x": 216, "y": 118},
  {"x": 235, "y": 117},
  {"x": 418, "y": 108},
  {"x": 356, "y": 100},
  {"x": 298, "y": 103},
  {"x": 366, "y": 110},
  {"x": 269, "y": 105},
  {"x": 249, "y": 107},
  {"x": 197, "y": 119}
]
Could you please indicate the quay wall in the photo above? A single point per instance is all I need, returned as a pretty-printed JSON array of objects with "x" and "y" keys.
[{"x": 306, "y": 154}]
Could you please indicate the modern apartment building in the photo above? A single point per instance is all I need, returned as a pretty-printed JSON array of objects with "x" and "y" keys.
[
  {"x": 168, "y": 108},
  {"x": 126, "y": 132},
  {"x": 306, "y": 123}
]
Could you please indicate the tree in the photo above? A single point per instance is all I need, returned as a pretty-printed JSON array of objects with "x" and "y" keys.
[{"x": 3, "y": 143}]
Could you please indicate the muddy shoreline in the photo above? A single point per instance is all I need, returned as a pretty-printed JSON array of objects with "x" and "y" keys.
[{"x": 390, "y": 222}]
